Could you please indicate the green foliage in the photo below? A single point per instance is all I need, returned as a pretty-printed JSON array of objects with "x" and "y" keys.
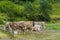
[
  {"x": 11, "y": 9},
  {"x": 45, "y": 8},
  {"x": 3, "y": 18},
  {"x": 30, "y": 10},
  {"x": 21, "y": 1}
]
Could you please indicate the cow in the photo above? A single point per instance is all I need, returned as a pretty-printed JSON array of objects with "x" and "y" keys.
[
  {"x": 25, "y": 25},
  {"x": 22, "y": 25},
  {"x": 39, "y": 25},
  {"x": 28, "y": 25},
  {"x": 11, "y": 27},
  {"x": 7, "y": 26}
]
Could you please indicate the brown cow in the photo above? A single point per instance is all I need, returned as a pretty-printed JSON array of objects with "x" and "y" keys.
[
  {"x": 22, "y": 25},
  {"x": 11, "y": 27},
  {"x": 25, "y": 25},
  {"x": 28, "y": 25}
]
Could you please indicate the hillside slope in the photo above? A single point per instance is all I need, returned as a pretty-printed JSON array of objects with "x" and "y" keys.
[{"x": 56, "y": 10}]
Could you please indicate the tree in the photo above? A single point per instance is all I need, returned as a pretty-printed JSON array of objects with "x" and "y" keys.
[
  {"x": 12, "y": 10},
  {"x": 3, "y": 18},
  {"x": 45, "y": 9},
  {"x": 21, "y": 1},
  {"x": 29, "y": 11}
]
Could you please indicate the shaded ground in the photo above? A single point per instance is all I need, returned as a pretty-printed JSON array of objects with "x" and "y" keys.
[{"x": 43, "y": 35}]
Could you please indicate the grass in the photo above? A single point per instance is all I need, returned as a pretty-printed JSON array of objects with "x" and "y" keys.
[
  {"x": 55, "y": 10},
  {"x": 55, "y": 16},
  {"x": 4, "y": 34},
  {"x": 53, "y": 26},
  {"x": 37, "y": 36}
]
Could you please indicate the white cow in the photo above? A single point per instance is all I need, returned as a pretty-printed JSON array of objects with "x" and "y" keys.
[{"x": 39, "y": 25}]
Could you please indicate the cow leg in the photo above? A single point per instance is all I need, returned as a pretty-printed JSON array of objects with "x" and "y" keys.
[
  {"x": 7, "y": 28},
  {"x": 22, "y": 30}
]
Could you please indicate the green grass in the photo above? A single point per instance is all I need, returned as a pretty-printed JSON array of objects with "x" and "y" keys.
[
  {"x": 56, "y": 10},
  {"x": 5, "y": 34},
  {"x": 53, "y": 26},
  {"x": 35, "y": 36},
  {"x": 55, "y": 16},
  {"x": 39, "y": 36},
  {"x": 2, "y": 34}
]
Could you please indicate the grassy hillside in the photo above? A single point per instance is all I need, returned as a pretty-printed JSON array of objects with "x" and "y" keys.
[
  {"x": 53, "y": 26},
  {"x": 56, "y": 10}
]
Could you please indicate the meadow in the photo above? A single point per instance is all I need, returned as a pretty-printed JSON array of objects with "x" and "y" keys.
[
  {"x": 53, "y": 26},
  {"x": 51, "y": 31},
  {"x": 42, "y": 35},
  {"x": 55, "y": 10}
]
